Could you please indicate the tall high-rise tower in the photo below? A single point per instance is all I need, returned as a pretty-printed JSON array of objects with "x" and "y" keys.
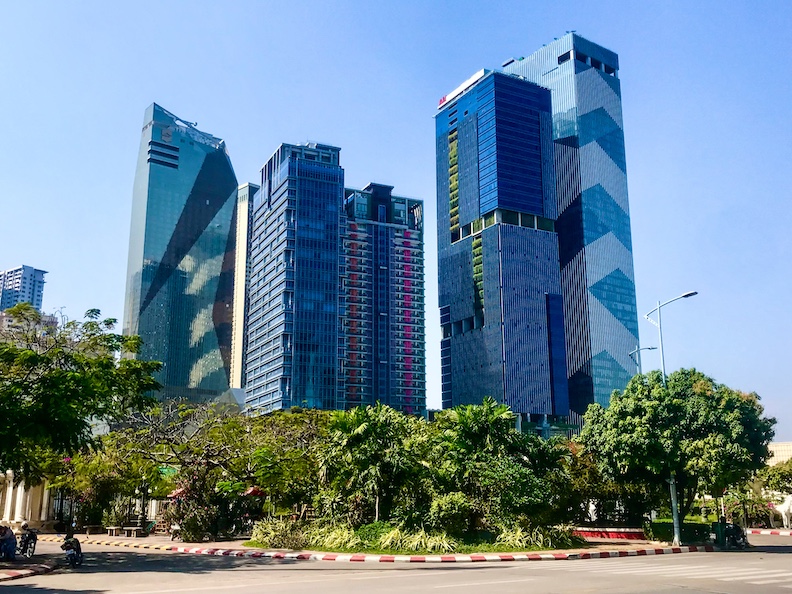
[
  {"x": 593, "y": 213},
  {"x": 295, "y": 337},
  {"x": 384, "y": 293},
  {"x": 180, "y": 281},
  {"x": 23, "y": 284},
  {"x": 500, "y": 290}
]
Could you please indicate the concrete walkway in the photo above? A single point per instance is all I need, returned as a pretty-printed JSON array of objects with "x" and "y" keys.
[{"x": 236, "y": 548}]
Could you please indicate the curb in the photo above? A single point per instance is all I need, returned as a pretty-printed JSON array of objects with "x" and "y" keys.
[
  {"x": 14, "y": 574},
  {"x": 364, "y": 558},
  {"x": 769, "y": 532}
]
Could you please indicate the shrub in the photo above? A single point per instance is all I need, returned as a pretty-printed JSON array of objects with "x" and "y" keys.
[
  {"x": 196, "y": 521},
  {"x": 663, "y": 530},
  {"x": 526, "y": 537},
  {"x": 420, "y": 540},
  {"x": 333, "y": 538},
  {"x": 393, "y": 539},
  {"x": 279, "y": 533},
  {"x": 370, "y": 534},
  {"x": 450, "y": 512}
]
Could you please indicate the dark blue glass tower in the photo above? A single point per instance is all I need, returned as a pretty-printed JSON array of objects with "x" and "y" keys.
[
  {"x": 500, "y": 290},
  {"x": 295, "y": 337},
  {"x": 593, "y": 213},
  {"x": 180, "y": 278}
]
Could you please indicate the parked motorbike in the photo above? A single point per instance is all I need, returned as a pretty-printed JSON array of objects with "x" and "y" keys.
[
  {"x": 735, "y": 537},
  {"x": 26, "y": 542},
  {"x": 73, "y": 550}
]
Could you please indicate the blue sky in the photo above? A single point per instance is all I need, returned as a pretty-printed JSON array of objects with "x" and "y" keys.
[{"x": 706, "y": 90}]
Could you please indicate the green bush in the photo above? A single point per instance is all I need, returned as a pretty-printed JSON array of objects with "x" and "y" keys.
[
  {"x": 370, "y": 534},
  {"x": 533, "y": 537},
  {"x": 279, "y": 533},
  {"x": 691, "y": 532},
  {"x": 198, "y": 521},
  {"x": 333, "y": 538},
  {"x": 450, "y": 512}
]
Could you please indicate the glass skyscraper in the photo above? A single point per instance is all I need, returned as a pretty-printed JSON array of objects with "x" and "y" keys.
[
  {"x": 384, "y": 291},
  {"x": 593, "y": 213},
  {"x": 180, "y": 280},
  {"x": 295, "y": 336},
  {"x": 336, "y": 293},
  {"x": 500, "y": 288}
]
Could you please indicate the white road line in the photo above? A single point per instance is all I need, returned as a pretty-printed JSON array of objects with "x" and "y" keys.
[
  {"x": 655, "y": 569},
  {"x": 471, "y": 584},
  {"x": 763, "y": 574},
  {"x": 774, "y": 581}
]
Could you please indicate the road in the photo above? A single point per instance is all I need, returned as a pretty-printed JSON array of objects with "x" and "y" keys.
[{"x": 766, "y": 569}]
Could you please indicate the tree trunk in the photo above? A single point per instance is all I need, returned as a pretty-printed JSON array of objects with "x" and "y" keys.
[{"x": 376, "y": 508}]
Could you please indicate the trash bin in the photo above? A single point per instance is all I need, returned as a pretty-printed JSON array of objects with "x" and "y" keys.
[{"x": 719, "y": 530}]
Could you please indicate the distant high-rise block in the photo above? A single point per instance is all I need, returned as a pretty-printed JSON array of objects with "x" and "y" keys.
[
  {"x": 180, "y": 282},
  {"x": 23, "y": 284},
  {"x": 244, "y": 225},
  {"x": 384, "y": 292},
  {"x": 500, "y": 290},
  {"x": 593, "y": 213},
  {"x": 294, "y": 333}
]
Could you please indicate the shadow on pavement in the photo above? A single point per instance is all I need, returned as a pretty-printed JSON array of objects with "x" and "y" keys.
[
  {"x": 9, "y": 587},
  {"x": 770, "y": 549}
]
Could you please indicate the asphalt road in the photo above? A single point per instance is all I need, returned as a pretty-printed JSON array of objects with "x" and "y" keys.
[{"x": 767, "y": 568}]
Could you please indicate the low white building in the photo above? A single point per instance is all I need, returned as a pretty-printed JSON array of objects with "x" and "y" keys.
[{"x": 22, "y": 503}]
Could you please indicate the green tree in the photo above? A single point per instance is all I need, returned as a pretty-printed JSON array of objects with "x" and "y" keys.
[
  {"x": 56, "y": 383},
  {"x": 778, "y": 477},
  {"x": 366, "y": 462},
  {"x": 504, "y": 473},
  {"x": 707, "y": 434}
]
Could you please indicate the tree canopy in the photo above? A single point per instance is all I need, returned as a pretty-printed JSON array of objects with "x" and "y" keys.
[
  {"x": 709, "y": 435},
  {"x": 57, "y": 382}
]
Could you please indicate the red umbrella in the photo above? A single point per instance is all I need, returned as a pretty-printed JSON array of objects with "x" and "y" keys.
[{"x": 254, "y": 492}]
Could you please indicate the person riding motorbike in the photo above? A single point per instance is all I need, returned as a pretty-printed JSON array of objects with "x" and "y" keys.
[{"x": 27, "y": 541}]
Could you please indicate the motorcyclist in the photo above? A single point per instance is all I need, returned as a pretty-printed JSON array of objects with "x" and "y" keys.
[{"x": 7, "y": 543}]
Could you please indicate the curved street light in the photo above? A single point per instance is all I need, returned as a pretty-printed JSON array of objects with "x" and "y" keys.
[
  {"x": 637, "y": 351},
  {"x": 672, "y": 480}
]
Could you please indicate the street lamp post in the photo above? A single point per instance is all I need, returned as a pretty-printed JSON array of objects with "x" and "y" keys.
[
  {"x": 637, "y": 359},
  {"x": 672, "y": 480}
]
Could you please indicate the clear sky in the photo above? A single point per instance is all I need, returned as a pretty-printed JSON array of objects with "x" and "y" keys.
[{"x": 707, "y": 102}]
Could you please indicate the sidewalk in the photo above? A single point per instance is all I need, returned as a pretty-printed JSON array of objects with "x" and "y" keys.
[
  {"x": 11, "y": 570},
  {"x": 235, "y": 548}
]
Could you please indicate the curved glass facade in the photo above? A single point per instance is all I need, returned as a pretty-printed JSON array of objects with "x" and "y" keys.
[{"x": 180, "y": 276}]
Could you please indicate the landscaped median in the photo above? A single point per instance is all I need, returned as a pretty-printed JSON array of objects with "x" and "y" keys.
[{"x": 218, "y": 550}]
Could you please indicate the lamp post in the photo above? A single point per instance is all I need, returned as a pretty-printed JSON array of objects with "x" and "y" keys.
[
  {"x": 672, "y": 480},
  {"x": 637, "y": 351}
]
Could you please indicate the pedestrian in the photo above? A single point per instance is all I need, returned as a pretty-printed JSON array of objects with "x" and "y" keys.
[{"x": 7, "y": 543}]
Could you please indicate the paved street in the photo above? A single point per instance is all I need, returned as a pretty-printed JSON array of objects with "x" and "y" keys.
[{"x": 766, "y": 568}]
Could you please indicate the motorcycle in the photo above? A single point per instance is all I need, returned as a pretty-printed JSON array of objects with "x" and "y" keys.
[
  {"x": 73, "y": 550},
  {"x": 735, "y": 537},
  {"x": 26, "y": 543}
]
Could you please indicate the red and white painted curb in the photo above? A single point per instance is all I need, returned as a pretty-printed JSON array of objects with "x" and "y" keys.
[
  {"x": 769, "y": 532},
  {"x": 364, "y": 558},
  {"x": 610, "y": 533},
  {"x": 13, "y": 574}
]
